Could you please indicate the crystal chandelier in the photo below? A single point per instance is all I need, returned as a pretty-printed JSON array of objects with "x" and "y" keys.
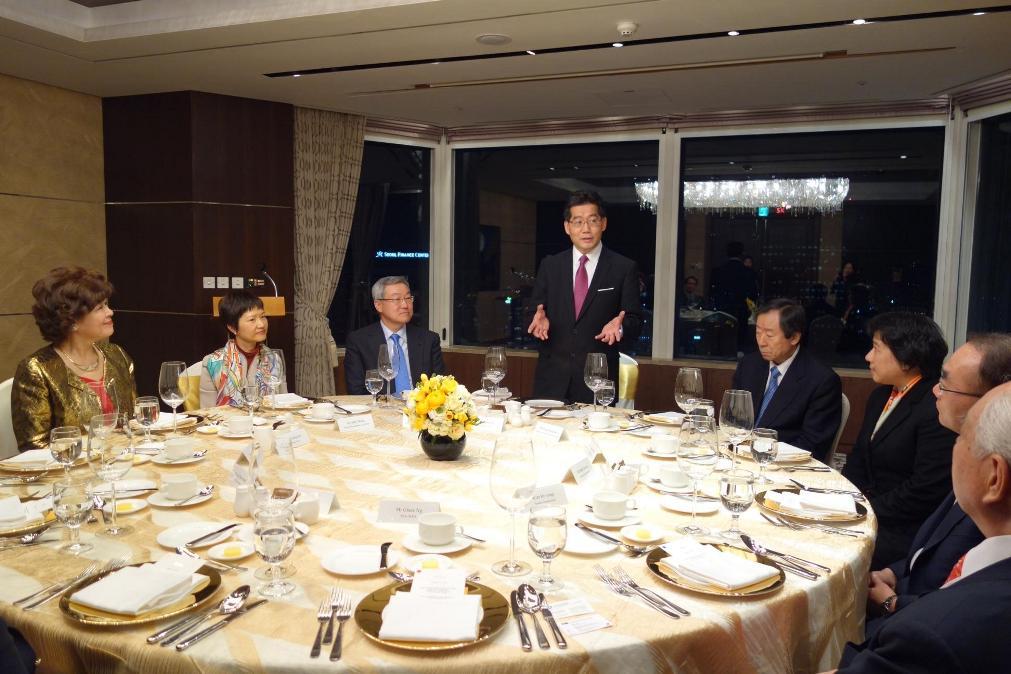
[{"x": 824, "y": 195}]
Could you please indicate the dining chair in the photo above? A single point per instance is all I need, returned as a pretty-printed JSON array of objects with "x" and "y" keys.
[
  {"x": 838, "y": 433},
  {"x": 192, "y": 389},
  {"x": 8, "y": 443},
  {"x": 628, "y": 381}
]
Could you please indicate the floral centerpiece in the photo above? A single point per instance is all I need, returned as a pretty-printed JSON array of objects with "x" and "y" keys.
[{"x": 442, "y": 411}]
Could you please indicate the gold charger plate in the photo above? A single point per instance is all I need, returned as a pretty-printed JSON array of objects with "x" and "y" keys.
[
  {"x": 90, "y": 616},
  {"x": 182, "y": 422},
  {"x": 369, "y": 617},
  {"x": 758, "y": 589},
  {"x": 26, "y": 468},
  {"x": 30, "y": 527},
  {"x": 774, "y": 508}
]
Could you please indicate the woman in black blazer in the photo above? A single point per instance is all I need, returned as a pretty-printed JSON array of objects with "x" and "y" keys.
[{"x": 902, "y": 458}]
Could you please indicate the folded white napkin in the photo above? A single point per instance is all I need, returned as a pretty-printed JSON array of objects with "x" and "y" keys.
[
  {"x": 673, "y": 417},
  {"x": 811, "y": 503},
  {"x": 14, "y": 512},
  {"x": 11, "y": 510},
  {"x": 788, "y": 452},
  {"x": 42, "y": 456},
  {"x": 409, "y": 617},
  {"x": 706, "y": 564},
  {"x": 289, "y": 400},
  {"x": 165, "y": 420},
  {"x": 126, "y": 485},
  {"x": 133, "y": 590}
]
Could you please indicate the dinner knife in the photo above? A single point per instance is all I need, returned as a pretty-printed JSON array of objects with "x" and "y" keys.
[
  {"x": 207, "y": 537},
  {"x": 598, "y": 534},
  {"x": 549, "y": 617},
  {"x": 183, "y": 645},
  {"x": 524, "y": 635}
]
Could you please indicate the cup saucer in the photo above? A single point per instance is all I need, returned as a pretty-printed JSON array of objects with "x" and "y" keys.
[
  {"x": 609, "y": 429},
  {"x": 225, "y": 433},
  {"x": 414, "y": 543},
  {"x": 160, "y": 500},
  {"x": 683, "y": 504},
  {"x": 163, "y": 460},
  {"x": 591, "y": 518},
  {"x": 317, "y": 420}
]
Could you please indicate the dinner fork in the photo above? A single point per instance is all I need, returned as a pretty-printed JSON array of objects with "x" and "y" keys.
[
  {"x": 622, "y": 577},
  {"x": 220, "y": 566},
  {"x": 108, "y": 567},
  {"x": 797, "y": 526},
  {"x": 328, "y": 637},
  {"x": 343, "y": 612},
  {"x": 91, "y": 569},
  {"x": 624, "y": 591},
  {"x": 324, "y": 615}
]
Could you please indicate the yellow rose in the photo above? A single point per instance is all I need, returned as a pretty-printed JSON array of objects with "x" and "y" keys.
[
  {"x": 421, "y": 409},
  {"x": 449, "y": 386},
  {"x": 436, "y": 398},
  {"x": 418, "y": 424}
]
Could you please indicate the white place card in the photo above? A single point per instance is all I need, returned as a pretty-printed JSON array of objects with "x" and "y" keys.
[
  {"x": 405, "y": 511},
  {"x": 582, "y": 470},
  {"x": 585, "y": 624},
  {"x": 490, "y": 425},
  {"x": 440, "y": 583},
  {"x": 549, "y": 431},
  {"x": 327, "y": 499},
  {"x": 355, "y": 423},
  {"x": 553, "y": 494},
  {"x": 298, "y": 437},
  {"x": 570, "y": 607},
  {"x": 405, "y": 422}
]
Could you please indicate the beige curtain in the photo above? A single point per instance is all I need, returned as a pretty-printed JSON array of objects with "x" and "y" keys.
[{"x": 328, "y": 161}]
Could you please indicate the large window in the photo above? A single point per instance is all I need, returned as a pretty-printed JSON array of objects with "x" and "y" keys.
[
  {"x": 845, "y": 222},
  {"x": 509, "y": 204},
  {"x": 389, "y": 235}
]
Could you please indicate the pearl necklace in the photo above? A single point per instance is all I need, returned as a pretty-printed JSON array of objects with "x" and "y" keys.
[{"x": 84, "y": 368}]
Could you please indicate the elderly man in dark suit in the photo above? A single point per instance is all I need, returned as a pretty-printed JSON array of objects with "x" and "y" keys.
[
  {"x": 587, "y": 300},
  {"x": 416, "y": 349},
  {"x": 791, "y": 390},
  {"x": 961, "y": 627}
]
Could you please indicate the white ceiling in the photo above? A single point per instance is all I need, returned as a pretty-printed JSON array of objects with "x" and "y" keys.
[{"x": 226, "y": 46}]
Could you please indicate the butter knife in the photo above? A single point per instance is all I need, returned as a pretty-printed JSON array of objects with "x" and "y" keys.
[
  {"x": 549, "y": 617},
  {"x": 598, "y": 534},
  {"x": 183, "y": 645},
  {"x": 524, "y": 635},
  {"x": 207, "y": 537}
]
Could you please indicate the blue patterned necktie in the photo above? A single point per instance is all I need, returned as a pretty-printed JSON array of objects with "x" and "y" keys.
[
  {"x": 403, "y": 380},
  {"x": 769, "y": 392}
]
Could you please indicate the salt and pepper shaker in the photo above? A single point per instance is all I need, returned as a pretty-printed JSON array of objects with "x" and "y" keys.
[{"x": 244, "y": 500}]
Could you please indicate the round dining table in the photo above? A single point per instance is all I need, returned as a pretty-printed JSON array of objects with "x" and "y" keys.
[{"x": 800, "y": 627}]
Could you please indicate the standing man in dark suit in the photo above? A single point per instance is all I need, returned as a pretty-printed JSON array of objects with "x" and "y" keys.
[
  {"x": 418, "y": 348},
  {"x": 792, "y": 391},
  {"x": 733, "y": 283},
  {"x": 587, "y": 301}
]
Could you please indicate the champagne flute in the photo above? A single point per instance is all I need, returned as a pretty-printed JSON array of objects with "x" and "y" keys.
[
  {"x": 737, "y": 417},
  {"x": 764, "y": 448},
  {"x": 72, "y": 506},
  {"x": 687, "y": 387},
  {"x": 546, "y": 532},
  {"x": 387, "y": 370},
  {"x": 251, "y": 398},
  {"x": 172, "y": 385},
  {"x": 606, "y": 392},
  {"x": 274, "y": 538},
  {"x": 65, "y": 446},
  {"x": 495, "y": 368},
  {"x": 277, "y": 374},
  {"x": 696, "y": 456},
  {"x": 145, "y": 410},
  {"x": 109, "y": 460},
  {"x": 737, "y": 491},
  {"x": 512, "y": 479},
  {"x": 373, "y": 384},
  {"x": 594, "y": 373}
]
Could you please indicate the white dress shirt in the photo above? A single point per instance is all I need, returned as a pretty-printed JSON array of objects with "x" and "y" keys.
[
  {"x": 782, "y": 367},
  {"x": 989, "y": 551},
  {"x": 591, "y": 263},
  {"x": 403, "y": 344}
]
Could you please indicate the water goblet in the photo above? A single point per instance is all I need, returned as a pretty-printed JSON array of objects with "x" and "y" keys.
[
  {"x": 606, "y": 392},
  {"x": 737, "y": 491},
  {"x": 594, "y": 373},
  {"x": 145, "y": 411},
  {"x": 696, "y": 457},
  {"x": 764, "y": 448},
  {"x": 251, "y": 398},
  {"x": 546, "y": 532},
  {"x": 387, "y": 370},
  {"x": 495, "y": 368},
  {"x": 704, "y": 407},
  {"x": 65, "y": 446},
  {"x": 274, "y": 539},
  {"x": 373, "y": 384},
  {"x": 737, "y": 417},
  {"x": 72, "y": 506},
  {"x": 110, "y": 461}
]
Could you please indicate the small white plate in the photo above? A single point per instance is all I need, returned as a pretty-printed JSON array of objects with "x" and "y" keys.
[
  {"x": 657, "y": 455},
  {"x": 209, "y": 429},
  {"x": 231, "y": 551},
  {"x": 415, "y": 544},
  {"x": 159, "y": 499},
  {"x": 558, "y": 414},
  {"x": 223, "y": 433},
  {"x": 643, "y": 533},
  {"x": 425, "y": 562},
  {"x": 539, "y": 403},
  {"x": 314, "y": 420},
  {"x": 652, "y": 431},
  {"x": 683, "y": 504},
  {"x": 579, "y": 542},
  {"x": 354, "y": 408},
  {"x": 139, "y": 459},
  {"x": 182, "y": 533},
  {"x": 662, "y": 488},
  {"x": 610, "y": 429},
  {"x": 590, "y": 518},
  {"x": 359, "y": 560},
  {"x": 163, "y": 460},
  {"x": 260, "y": 421},
  {"x": 150, "y": 445},
  {"x": 126, "y": 506}
]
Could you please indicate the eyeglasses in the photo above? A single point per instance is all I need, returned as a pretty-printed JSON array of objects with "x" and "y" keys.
[
  {"x": 593, "y": 221},
  {"x": 945, "y": 389},
  {"x": 398, "y": 300}
]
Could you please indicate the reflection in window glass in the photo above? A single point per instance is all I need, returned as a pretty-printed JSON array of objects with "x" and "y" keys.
[
  {"x": 389, "y": 235},
  {"x": 845, "y": 222},
  {"x": 509, "y": 204}
]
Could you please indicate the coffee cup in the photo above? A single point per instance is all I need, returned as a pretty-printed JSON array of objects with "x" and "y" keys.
[
  {"x": 512, "y": 407},
  {"x": 598, "y": 421},
  {"x": 526, "y": 414},
  {"x": 437, "y": 528},
  {"x": 623, "y": 480},
  {"x": 664, "y": 444},
  {"x": 239, "y": 424},
  {"x": 611, "y": 505},
  {"x": 671, "y": 476},
  {"x": 516, "y": 420},
  {"x": 179, "y": 486},
  {"x": 323, "y": 411},
  {"x": 179, "y": 448}
]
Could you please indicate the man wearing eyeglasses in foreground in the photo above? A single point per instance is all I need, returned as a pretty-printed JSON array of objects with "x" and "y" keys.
[
  {"x": 416, "y": 349},
  {"x": 587, "y": 300}
]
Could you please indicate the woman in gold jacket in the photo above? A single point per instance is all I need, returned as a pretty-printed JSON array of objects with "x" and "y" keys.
[{"x": 79, "y": 374}]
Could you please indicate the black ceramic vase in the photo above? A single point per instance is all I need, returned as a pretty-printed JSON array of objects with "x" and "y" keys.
[{"x": 441, "y": 447}]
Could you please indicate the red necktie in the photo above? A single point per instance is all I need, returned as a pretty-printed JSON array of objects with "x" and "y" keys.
[
  {"x": 956, "y": 570},
  {"x": 581, "y": 285}
]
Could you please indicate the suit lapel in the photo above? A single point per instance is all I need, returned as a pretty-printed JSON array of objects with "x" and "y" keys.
[
  {"x": 414, "y": 354},
  {"x": 563, "y": 273},
  {"x": 603, "y": 264},
  {"x": 902, "y": 410},
  {"x": 789, "y": 386}
]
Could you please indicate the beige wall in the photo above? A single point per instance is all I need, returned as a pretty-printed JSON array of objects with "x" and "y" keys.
[{"x": 52, "y": 194}]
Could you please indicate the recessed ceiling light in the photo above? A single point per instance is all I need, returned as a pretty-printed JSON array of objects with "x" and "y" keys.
[
  {"x": 902, "y": 156},
  {"x": 617, "y": 44},
  {"x": 732, "y": 163},
  {"x": 532, "y": 52},
  {"x": 551, "y": 168},
  {"x": 493, "y": 39},
  {"x": 733, "y": 33},
  {"x": 859, "y": 22}
]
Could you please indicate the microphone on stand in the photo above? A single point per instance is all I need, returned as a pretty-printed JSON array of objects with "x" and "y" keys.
[{"x": 264, "y": 274}]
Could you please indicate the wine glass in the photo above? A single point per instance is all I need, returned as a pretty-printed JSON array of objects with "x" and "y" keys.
[
  {"x": 145, "y": 410},
  {"x": 72, "y": 506},
  {"x": 65, "y": 446},
  {"x": 373, "y": 384},
  {"x": 764, "y": 448},
  {"x": 274, "y": 538},
  {"x": 277, "y": 374},
  {"x": 687, "y": 387},
  {"x": 737, "y": 491},
  {"x": 109, "y": 460},
  {"x": 251, "y": 398},
  {"x": 606, "y": 392},
  {"x": 696, "y": 456},
  {"x": 387, "y": 370},
  {"x": 488, "y": 385},
  {"x": 737, "y": 417},
  {"x": 595, "y": 372},
  {"x": 495, "y": 368},
  {"x": 546, "y": 533},
  {"x": 702, "y": 406},
  {"x": 172, "y": 386},
  {"x": 512, "y": 479}
]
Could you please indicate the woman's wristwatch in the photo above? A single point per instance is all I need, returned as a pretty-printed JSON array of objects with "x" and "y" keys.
[{"x": 888, "y": 605}]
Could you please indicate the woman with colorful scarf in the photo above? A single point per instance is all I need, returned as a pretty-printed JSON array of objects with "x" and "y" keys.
[{"x": 245, "y": 359}]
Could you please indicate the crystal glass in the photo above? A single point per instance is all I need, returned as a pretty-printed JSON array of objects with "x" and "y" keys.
[
  {"x": 110, "y": 461},
  {"x": 172, "y": 386},
  {"x": 546, "y": 533},
  {"x": 764, "y": 448},
  {"x": 594, "y": 373},
  {"x": 387, "y": 370},
  {"x": 145, "y": 411},
  {"x": 488, "y": 385},
  {"x": 737, "y": 417},
  {"x": 512, "y": 480},
  {"x": 697, "y": 456},
  {"x": 495, "y": 368},
  {"x": 276, "y": 376},
  {"x": 274, "y": 538},
  {"x": 702, "y": 406},
  {"x": 65, "y": 446},
  {"x": 606, "y": 392},
  {"x": 72, "y": 505},
  {"x": 251, "y": 398},
  {"x": 373, "y": 384},
  {"x": 737, "y": 491},
  {"x": 275, "y": 489},
  {"x": 687, "y": 386}
]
